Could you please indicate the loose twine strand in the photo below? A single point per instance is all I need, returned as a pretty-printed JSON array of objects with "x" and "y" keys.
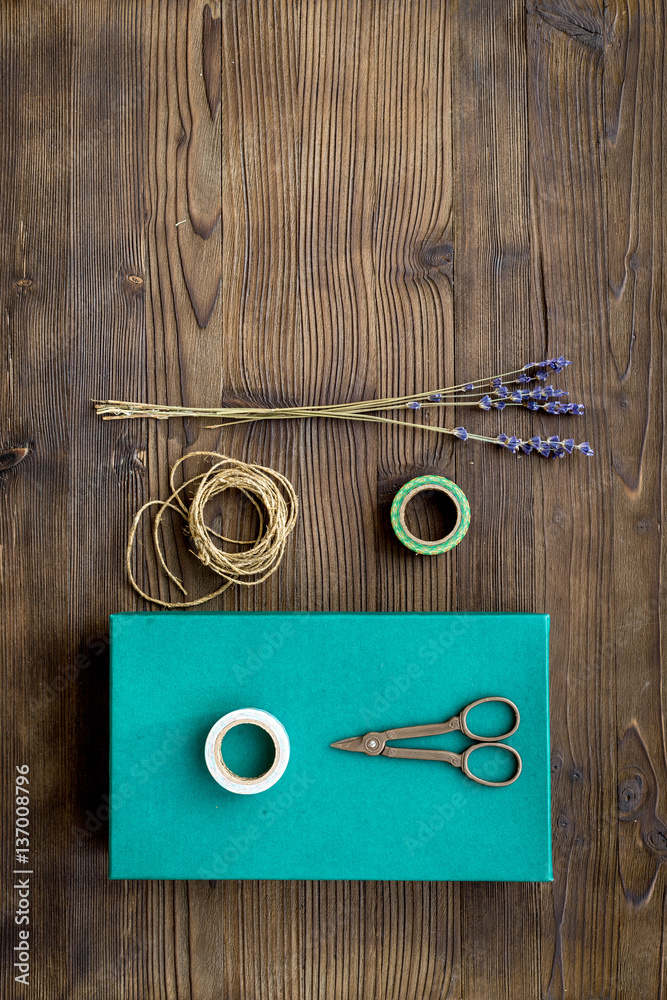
[{"x": 270, "y": 493}]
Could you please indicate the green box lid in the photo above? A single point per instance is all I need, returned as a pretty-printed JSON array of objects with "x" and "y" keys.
[{"x": 333, "y": 815}]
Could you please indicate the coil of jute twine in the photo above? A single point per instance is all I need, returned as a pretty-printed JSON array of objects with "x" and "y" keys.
[{"x": 270, "y": 493}]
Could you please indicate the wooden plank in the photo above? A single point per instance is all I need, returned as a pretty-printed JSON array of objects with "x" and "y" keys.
[
  {"x": 412, "y": 260},
  {"x": 108, "y": 927},
  {"x": 36, "y": 645},
  {"x": 635, "y": 140},
  {"x": 498, "y": 566},
  {"x": 583, "y": 113}
]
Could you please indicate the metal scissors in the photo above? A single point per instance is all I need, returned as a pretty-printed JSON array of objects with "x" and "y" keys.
[{"x": 374, "y": 744}]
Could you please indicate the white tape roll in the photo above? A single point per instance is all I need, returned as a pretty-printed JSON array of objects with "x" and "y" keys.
[{"x": 213, "y": 752}]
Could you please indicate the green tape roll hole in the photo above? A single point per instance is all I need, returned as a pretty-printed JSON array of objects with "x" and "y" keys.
[{"x": 406, "y": 494}]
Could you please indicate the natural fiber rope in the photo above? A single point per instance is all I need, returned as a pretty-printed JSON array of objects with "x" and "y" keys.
[{"x": 277, "y": 518}]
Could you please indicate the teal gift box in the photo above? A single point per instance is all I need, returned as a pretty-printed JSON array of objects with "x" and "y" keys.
[{"x": 332, "y": 815}]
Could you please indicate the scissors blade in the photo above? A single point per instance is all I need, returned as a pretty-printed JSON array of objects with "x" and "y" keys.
[{"x": 352, "y": 743}]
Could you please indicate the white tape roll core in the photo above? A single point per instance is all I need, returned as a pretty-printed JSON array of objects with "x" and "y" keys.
[{"x": 213, "y": 752}]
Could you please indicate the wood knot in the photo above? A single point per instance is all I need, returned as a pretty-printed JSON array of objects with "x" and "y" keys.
[
  {"x": 128, "y": 459},
  {"x": 11, "y": 457},
  {"x": 135, "y": 279},
  {"x": 24, "y": 283},
  {"x": 656, "y": 839},
  {"x": 585, "y": 29},
  {"x": 631, "y": 791},
  {"x": 441, "y": 256}
]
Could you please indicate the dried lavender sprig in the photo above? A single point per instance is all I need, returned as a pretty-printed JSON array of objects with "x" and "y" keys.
[
  {"x": 487, "y": 403},
  {"x": 366, "y": 410},
  {"x": 118, "y": 410},
  {"x": 551, "y": 447},
  {"x": 575, "y": 409},
  {"x": 459, "y": 432}
]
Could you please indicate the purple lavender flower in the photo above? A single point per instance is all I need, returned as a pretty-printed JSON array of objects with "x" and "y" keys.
[
  {"x": 552, "y": 447},
  {"x": 557, "y": 364},
  {"x": 542, "y": 397},
  {"x": 553, "y": 363},
  {"x": 575, "y": 408}
]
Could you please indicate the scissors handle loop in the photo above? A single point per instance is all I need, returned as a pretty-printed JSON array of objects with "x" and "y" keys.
[
  {"x": 465, "y": 757},
  {"x": 463, "y": 720}
]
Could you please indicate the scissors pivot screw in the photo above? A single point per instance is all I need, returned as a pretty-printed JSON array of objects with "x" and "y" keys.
[{"x": 373, "y": 743}]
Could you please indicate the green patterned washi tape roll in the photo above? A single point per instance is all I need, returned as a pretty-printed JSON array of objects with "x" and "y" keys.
[{"x": 405, "y": 495}]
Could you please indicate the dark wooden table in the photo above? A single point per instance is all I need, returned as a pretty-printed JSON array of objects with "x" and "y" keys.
[{"x": 276, "y": 203}]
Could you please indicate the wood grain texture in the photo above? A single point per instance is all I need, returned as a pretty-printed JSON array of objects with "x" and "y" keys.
[
  {"x": 499, "y": 569},
  {"x": 320, "y": 201}
]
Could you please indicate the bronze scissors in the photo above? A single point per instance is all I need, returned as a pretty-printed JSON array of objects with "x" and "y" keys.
[{"x": 374, "y": 744}]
